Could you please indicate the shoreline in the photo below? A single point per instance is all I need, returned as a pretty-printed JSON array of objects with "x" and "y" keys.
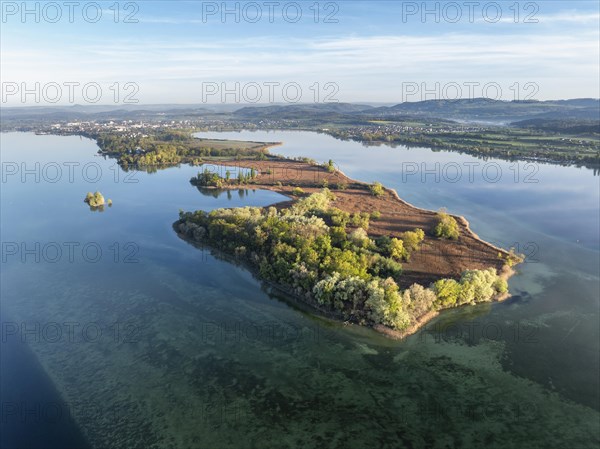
[
  {"x": 357, "y": 191},
  {"x": 311, "y": 306}
]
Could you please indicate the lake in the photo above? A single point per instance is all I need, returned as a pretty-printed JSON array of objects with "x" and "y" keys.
[{"x": 116, "y": 333}]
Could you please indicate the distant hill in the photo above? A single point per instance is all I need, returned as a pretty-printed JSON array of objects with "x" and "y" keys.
[
  {"x": 487, "y": 109},
  {"x": 300, "y": 110},
  {"x": 478, "y": 109},
  {"x": 483, "y": 109}
]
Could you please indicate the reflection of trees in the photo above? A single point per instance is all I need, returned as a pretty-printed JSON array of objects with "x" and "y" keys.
[
  {"x": 97, "y": 208},
  {"x": 215, "y": 193},
  {"x": 153, "y": 168}
]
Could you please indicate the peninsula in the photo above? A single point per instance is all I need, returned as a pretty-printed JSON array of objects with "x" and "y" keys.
[{"x": 350, "y": 250}]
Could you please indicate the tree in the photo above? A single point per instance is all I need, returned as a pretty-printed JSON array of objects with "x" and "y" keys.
[
  {"x": 330, "y": 166},
  {"x": 94, "y": 199},
  {"x": 360, "y": 238},
  {"x": 377, "y": 189},
  {"x": 446, "y": 227},
  {"x": 447, "y": 292},
  {"x": 396, "y": 249},
  {"x": 413, "y": 239},
  {"x": 418, "y": 300}
]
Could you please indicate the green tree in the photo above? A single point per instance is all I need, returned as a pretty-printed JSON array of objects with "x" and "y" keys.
[
  {"x": 297, "y": 191},
  {"x": 446, "y": 226},
  {"x": 330, "y": 166},
  {"x": 396, "y": 249},
  {"x": 377, "y": 189}
]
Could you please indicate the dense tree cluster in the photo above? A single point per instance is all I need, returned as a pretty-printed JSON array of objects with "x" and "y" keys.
[
  {"x": 166, "y": 148},
  {"x": 208, "y": 178},
  {"x": 320, "y": 254},
  {"x": 95, "y": 199}
]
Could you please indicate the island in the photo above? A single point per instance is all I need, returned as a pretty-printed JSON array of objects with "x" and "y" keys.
[
  {"x": 347, "y": 249},
  {"x": 96, "y": 201}
]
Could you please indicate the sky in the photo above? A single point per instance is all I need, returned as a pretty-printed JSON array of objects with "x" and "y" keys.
[{"x": 153, "y": 52}]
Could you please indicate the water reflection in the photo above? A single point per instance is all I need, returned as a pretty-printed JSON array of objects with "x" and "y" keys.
[
  {"x": 193, "y": 353},
  {"x": 226, "y": 193}
]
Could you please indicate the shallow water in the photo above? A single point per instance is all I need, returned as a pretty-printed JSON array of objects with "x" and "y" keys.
[{"x": 155, "y": 343}]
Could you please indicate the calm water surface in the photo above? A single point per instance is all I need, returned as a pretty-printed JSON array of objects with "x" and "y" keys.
[{"x": 134, "y": 338}]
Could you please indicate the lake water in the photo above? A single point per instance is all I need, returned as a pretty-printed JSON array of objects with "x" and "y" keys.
[{"x": 116, "y": 333}]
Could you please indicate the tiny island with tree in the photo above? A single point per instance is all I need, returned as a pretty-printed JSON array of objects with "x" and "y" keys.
[{"x": 96, "y": 200}]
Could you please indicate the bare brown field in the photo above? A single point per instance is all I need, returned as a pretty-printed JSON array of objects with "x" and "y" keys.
[{"x": 437, "y": 258}]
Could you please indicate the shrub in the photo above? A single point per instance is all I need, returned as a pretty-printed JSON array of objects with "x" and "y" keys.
[
  {"x": 474, "y": 286},
  {"x": 384, "y": 267},
  {"x": 447, "y": 292},
  {"x": 377, "y": 189},
  {"x": 339, "y": 217},
  {"x": 418, "y": 300},
  {"x": 317, "y": 202},
  {"x": 297, "y": 191},
  {"x": 384, "y": 305},
  {"x": 338, "y": 236},
  {"x": 375, "y": 215},
  {"x": 360, "y": 220},
  {"x": 477, "y": 286},
  {"x": 360, "y": 238},
  {"x": 512, "y": 258},
  {"x": 447, "y": 227},
  {"x": 500, "y": 285},
  {"x": 323, "y": 290},
  {"x": 412, "y": 239},
  {"x": 330, "y": 166},
  {"x": 396, "y": 249}
]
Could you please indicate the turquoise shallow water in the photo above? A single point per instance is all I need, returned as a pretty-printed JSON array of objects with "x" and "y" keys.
[{"x": 155, "y": 343}]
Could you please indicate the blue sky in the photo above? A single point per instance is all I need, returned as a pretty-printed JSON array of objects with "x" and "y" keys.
[{"x": 180, "y": 52}]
